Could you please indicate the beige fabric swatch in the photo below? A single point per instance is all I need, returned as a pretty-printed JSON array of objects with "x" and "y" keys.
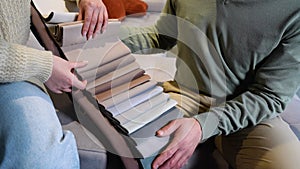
[
  {"x": 128, "y": 94},
  {"x": 116, "y": 82},
  {"x": 122, "y": 88},
  {"x": 97, "y": 57},
  {"x": 113, "y": 75},
  {"x": 106, "y": 68}
]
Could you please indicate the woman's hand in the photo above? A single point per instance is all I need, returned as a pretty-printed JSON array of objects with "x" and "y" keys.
[
  {"x": 62, "y": 77},
  {"x": 95, "y": 17},
  {"x": 186, "y": 136}
]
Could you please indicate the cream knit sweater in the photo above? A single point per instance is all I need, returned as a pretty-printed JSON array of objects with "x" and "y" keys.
[{"x": 18, "y": 62}]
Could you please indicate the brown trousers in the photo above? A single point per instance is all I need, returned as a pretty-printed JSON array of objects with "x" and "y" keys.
[{"x": 269, "y": 145}]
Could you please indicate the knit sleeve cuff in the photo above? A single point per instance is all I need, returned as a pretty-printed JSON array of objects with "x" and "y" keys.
[
  {"x": 39, "y": 65},
  {"x": 209, "y": 124}
]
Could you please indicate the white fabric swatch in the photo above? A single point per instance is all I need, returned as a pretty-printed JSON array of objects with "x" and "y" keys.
[
  {"x": 146, "y": 118},
  {"x": 130, "y": 103},
  {"x": 142, "y": 108},
  {"x": 59, "y": 17}
]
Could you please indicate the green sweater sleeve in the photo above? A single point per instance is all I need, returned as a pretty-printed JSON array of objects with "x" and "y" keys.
[
  {"x": 18, "y": 63},
  {"x": 162, "y": 35},
  {"x": 275, "y": 73},
  {"x": 275, "y": 83}
]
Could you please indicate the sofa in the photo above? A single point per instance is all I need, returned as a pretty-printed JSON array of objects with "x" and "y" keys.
[{"x": 92, "y": 153}]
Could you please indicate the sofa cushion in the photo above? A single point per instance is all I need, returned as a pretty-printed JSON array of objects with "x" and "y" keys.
[
  {"x": 135, "y": 7},
  {"x": 115, "y": 9},
  {"x": 92, "y": 154}
]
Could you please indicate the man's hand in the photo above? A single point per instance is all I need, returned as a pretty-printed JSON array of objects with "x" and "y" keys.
[
  {"x": 187, "y": 134},
  {"x": 62, "y": 77},
  {"x": 95, "y": 17}
]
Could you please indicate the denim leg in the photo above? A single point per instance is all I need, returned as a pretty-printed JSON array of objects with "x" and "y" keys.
[{"x": 31, "y": 136}]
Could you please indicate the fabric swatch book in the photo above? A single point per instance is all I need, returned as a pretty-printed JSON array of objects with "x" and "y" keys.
[
  {"x": 121, "y": 90},
  {"x": 122, "y": 106},
  {"x": 67, "y": 30}
]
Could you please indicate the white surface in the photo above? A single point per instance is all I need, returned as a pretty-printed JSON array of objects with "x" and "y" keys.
[
  {"x": 158, "y": 66},
  {"x": 47, "y": 6}
]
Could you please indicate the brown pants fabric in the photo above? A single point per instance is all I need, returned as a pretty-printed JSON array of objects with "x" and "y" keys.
[{"x": 269, "y": 145}]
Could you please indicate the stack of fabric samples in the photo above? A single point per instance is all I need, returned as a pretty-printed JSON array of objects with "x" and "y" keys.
[
  {"x": 132, "y": 102},
  {"x": 66, "y": 30},
  {"x": 124, "y": 90}
]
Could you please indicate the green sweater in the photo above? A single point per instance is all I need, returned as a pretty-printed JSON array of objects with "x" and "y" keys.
[{"x": 246, "y": 54}]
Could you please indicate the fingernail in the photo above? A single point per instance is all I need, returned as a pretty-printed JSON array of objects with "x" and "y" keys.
[
  {"x": 159, "y": 132},
  {"x": 84, "y": 34}
]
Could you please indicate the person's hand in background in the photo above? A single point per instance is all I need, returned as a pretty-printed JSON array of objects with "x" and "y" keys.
[{"x": 94, "y": 14}]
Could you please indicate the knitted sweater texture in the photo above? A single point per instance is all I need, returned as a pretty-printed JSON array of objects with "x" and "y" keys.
[{"x": 17, "y": 61}]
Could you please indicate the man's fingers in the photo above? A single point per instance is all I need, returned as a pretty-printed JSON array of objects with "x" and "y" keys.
[
  {"x": 87, "y": 21},
  {"x": 167, "y": 129},
  {"x": 93, "y": 18},
  {"x": 98, "y": 25},
  {"x": 105, "y": 21},
  {"x": 84, "y": 28},
  {"x": 176, "y": 162},
  {"x": 163, "y": 157},
  {"x": 103, "y": 18}
]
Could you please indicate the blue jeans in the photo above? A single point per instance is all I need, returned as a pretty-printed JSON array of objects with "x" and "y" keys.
[{"x": 31, "y": 136}]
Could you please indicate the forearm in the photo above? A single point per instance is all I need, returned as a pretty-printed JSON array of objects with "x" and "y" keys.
[
  {"x": 275, "y": 83},
  {"x": 162, "y": 35},
  {"x": 248, "y": 109},
  {"x": 146, "y": 39},
  {"x": 20, "y": 63}
]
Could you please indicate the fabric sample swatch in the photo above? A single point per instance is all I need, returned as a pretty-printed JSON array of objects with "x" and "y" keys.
[
  {"x": 118, "y": 81},
  {"x": 97, "y": 56},
  {"x": 122, "y": 88},
  {"x": 146, "y": 118},
  {"x": 128, "y": 94},
  {"x": 113, "y": 75},
  {"x": 142, "y": 108},
  {"x": 130, "y": 103},
  {"x": 106, "y": 68}
]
